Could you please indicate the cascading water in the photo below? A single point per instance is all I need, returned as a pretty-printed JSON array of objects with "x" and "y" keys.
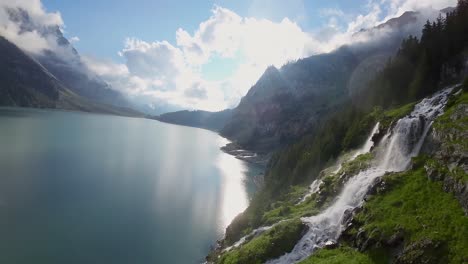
[
  {"x": 369, "y": 143},
  {"x": 315, "y": 186},
  {"x": 395, "y": 152}
]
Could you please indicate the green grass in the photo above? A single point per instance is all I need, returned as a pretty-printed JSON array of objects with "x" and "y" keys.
[
  {"x": 338, "y": 256},
  {"x": 423, "y": 211},
  {"x": 353, "y": 167},
  {"x": 446, "y": 122},
  {"x": 271, "y": 244},
  {"x": 411, "y": 203},
  {"x": 452, "y": 129}
]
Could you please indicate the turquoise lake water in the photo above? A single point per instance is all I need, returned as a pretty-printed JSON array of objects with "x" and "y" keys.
[{"x": 87, "y": 188}]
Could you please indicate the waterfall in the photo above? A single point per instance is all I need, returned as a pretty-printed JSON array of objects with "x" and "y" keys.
[
  {"x": 394, "y": 154},
  {"x": 315, "y": 186},
  {"x": 369, "y": 143}
]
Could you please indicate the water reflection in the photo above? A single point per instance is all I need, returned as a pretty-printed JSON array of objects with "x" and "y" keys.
[
  {"x": 78, "y": 188},
  {"x": 234, "y": 196}
]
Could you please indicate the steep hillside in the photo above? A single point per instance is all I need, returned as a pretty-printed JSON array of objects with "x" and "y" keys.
[
  {"x": 376, "y": 188},
  {"x": 413, "y": 216},
  {"x": 285, "y": 104}
]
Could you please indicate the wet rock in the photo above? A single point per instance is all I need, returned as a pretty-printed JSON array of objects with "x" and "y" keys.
[{"x": 347, "y": 217}]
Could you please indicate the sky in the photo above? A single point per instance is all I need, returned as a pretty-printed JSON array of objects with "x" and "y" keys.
[{"x": 201, "y": 54}]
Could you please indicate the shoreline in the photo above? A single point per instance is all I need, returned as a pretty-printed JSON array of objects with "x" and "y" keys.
[{"x": 246, "y": 155}]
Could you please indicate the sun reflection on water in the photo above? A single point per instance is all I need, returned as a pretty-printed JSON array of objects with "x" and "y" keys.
[{"x": 234, "y": 196}]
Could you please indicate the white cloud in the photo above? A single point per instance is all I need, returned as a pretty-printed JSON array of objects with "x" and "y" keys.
[
  {"x": 162, "y": 71},
  {"x": 159, "y": 71},
  {"x": 74, "y": 39},
  {"x": 365, "y": 21},
  {"x": 31, "y": 41},
  {"x": 398, "y": 7}
]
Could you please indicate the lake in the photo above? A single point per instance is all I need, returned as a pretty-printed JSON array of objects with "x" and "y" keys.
[{"x": 89, "y": 188}]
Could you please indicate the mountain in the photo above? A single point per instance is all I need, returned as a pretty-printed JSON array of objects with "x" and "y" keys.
[
  {"x": 24, "y": 82},
  {"x": 66, "y": 65},
  {"x": 287, "y": 103}
]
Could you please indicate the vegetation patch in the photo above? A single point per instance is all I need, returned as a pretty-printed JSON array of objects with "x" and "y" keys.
[
  {"x": 430, "y": 221},
  {"x": 273, "y": 243},
  {"x": 338, "y": 256}
]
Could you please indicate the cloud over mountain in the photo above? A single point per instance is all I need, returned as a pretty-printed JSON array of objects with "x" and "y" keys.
[
  {"x": 30, "y": 41},
  {"x": 160, "y": 71}
]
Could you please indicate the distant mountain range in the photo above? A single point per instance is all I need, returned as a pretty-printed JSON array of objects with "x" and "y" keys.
[{"x": 53, "y": 78}]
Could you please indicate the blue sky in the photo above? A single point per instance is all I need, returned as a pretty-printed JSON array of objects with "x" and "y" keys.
[
  {"x": 103, "y": 25},
  {"x": 198, "y": 54}
]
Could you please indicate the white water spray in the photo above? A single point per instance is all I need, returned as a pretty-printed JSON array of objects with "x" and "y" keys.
[
  {"x": 315, "y": 186},
  {"x": 396, "y": 150}
]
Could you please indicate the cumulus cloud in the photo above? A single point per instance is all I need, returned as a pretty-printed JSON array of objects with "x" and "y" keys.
[
  {"x": 165, "y": 71},
  {"x": 160, "y": 71},
  {"x": 398, "y": 7},
  {"x": 32, "y": 40}
]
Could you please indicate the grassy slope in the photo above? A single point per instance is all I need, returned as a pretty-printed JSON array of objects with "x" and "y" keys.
[
  {"x": 273, "y": 243},
  {"x": 338, "y": 256},
  {"x": 432, "y": 223},
  {"x": 431, "y": 220}
]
